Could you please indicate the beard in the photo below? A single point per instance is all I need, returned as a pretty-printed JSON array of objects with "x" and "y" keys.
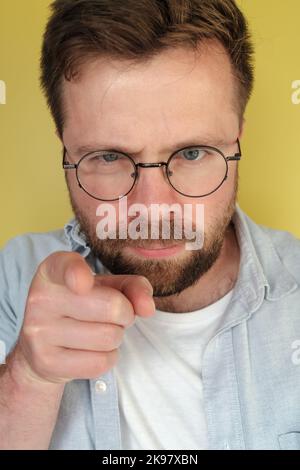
[{"x": 168, "y": 277}]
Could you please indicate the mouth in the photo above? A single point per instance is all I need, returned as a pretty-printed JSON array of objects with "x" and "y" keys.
[{"x": 156, "y": 250}]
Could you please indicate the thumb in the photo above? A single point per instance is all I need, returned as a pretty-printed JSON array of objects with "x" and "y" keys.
[{"x": 68, "y": 269}]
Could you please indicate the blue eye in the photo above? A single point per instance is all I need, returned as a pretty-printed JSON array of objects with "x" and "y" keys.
[
  {"x": 193, "y": 154},
  {"x": 110, "y": 157}
]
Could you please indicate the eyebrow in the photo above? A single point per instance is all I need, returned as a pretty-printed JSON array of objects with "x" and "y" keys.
[{"x": 84, "y": 149}]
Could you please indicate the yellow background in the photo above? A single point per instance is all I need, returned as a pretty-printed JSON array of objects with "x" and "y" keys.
[{"x": 32, "y": 189}]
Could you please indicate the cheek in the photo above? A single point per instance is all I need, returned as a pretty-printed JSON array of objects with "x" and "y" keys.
[
  {"x": 216, "y": 204},
  {"x": 86, "y": 205}
]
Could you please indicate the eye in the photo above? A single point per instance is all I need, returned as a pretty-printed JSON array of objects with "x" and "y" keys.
[
  {"x": 110, "y": 157},
  {"x": 193, "y": 154},
  {"x": 103, "y": 158}
]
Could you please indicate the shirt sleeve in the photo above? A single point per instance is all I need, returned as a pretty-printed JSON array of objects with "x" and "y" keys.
[
  {"x": 19, "y": 260},
  {"x": 9, "y": 288}
]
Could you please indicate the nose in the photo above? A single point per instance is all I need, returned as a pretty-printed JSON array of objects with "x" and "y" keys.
[{"x": 152, "y": 185}]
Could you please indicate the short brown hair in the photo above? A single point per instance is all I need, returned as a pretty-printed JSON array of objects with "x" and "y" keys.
[{"x": 79, "y": 30}]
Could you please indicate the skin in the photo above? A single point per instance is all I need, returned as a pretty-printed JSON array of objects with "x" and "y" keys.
[
  {"x": 147, "y": 106},
  {"x": 74, "y": 322}
]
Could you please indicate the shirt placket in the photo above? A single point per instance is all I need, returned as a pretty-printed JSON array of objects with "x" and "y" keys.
[
  {"x": 221, "y": 397},
  {"x": 105, "y": 407}
]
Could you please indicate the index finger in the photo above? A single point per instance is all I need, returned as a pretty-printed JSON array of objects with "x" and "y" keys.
[{"x": 137, "y": 289}]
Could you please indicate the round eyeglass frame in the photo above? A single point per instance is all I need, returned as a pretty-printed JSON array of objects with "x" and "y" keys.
[{"x": 74, "y": 166}]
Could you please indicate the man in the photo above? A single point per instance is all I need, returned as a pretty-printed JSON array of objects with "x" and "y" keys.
[{"x": 140, "y": 343}]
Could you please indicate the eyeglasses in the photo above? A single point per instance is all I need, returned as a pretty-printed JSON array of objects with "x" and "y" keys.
[{"x": 108, "y": 175}]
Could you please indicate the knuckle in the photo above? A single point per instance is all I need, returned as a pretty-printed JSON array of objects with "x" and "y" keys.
[
  {"x": 105, "y": 362},
  {"x": 100, "y": 367},
  {"x": 115, "y": 303},
  {"x": 35, "y": 298},
  {"x": 112, "y": 336},
  {"x": 113, "y": 357},
  {"x": 45, "y": 362},
  {"x": 130, "y": 320},
  {"x": 31, "y": 331},
  {"x": 41, "y": 362},
  {"x": 119, "y": 309},
  {"x": 108, "y": 361}
]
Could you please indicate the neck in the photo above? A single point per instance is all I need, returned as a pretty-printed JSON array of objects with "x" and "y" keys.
[{"x": 213, "y": 285}]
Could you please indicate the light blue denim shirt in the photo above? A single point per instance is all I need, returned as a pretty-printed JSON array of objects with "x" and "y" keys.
[{"x": 251, "y": 367}]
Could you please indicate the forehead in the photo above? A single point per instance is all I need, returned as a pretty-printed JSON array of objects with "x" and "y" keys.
[{"x": 173, "y": 91}]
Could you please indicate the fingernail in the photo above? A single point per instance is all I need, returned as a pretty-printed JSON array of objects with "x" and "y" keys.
[
  {"x": 154, "y": 306},
  {"x": 148, "y": 286}
]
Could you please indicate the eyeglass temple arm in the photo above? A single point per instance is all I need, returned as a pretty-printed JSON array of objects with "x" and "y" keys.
[
  {"x": 65, "y": 164},
  {"x": 238, "y": 155}
]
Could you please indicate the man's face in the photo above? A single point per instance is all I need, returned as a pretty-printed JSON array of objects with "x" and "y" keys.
[{"x": 145, "y": 110}]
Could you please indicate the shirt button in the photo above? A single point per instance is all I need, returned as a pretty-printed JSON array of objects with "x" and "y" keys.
[{"x": 100, "y": 386}]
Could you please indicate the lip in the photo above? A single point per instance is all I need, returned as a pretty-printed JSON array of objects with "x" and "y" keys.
[{"x": 157, "y": 251}]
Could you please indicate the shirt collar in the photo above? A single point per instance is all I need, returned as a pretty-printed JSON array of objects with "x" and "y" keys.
[
  {"x": 261, "y": 274},
  {"x": 76, "y": 238}
]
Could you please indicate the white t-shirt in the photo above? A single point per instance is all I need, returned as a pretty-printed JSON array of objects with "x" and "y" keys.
[{"x": 160, "y": 381}]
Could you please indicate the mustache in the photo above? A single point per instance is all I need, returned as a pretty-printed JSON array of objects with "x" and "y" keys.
[{"x": 144, "y": 232}]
